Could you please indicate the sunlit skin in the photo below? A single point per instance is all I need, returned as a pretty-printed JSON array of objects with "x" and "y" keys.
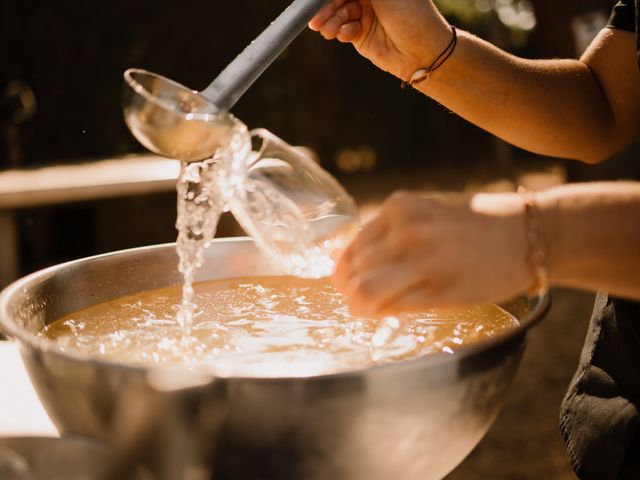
[
  {"x": 434, "y": 250},
  {"x": 426, "y": 250},
  {"x": 390, "y": 34},
  {"x": 419, "y": 248},
  {"x": 600, "y": 98}
]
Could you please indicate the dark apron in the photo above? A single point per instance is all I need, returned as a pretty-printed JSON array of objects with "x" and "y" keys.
[{"x": 599, "y": 417}]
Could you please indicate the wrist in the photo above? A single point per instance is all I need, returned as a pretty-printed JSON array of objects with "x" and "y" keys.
[
  {"x": 430, "y": 53},
  {"x": 562, "y": 235},
  {"x": 536, "y": 223}
]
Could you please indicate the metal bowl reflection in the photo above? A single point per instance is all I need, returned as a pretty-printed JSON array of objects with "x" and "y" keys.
[
  {"x": 409, "y": 420},
  {"x": 50, "y": 458}
]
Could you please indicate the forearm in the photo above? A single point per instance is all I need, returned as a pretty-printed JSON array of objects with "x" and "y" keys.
[
  {"x": 563, "y": 108},
  {"x": 592, "y": 236},
  {"x": 585, "y": 109}
]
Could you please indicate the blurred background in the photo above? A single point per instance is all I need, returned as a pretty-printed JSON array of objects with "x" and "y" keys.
[{"x": 61, "y": 127}]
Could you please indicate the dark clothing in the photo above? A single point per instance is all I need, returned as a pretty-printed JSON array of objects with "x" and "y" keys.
[
  {"x": 600, "y": 414},
  {"x": 599, "y": 417},
  {"x": 623, "y": 15},
  {"x": 626, "y": 16}
]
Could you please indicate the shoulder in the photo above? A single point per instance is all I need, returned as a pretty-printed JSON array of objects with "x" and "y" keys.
[{"x": 611, "y": 59}]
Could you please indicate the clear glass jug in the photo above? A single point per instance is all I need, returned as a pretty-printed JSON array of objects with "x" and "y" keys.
[{"x": 295, "y": 211}]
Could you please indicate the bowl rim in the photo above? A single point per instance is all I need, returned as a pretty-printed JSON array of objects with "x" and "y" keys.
[{"x": 541, "y": 304}]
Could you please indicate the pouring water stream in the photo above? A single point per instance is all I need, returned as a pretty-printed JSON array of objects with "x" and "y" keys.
[{"x": 177, "y": 122}]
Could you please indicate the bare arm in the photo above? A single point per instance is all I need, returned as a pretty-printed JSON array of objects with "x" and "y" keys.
[
  {"x": 431, "y": 250},
  {"x": 593, "y": 235},
  {"x": 584, "y": 109}
]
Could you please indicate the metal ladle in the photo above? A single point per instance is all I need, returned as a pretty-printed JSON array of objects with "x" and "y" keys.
[{"x": 177, "y": 122}]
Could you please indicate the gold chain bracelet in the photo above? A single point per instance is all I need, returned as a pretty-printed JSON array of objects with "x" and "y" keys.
[{"x": 536, "y": 251}]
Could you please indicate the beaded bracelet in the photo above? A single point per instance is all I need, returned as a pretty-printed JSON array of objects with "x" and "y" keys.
[
  {"x": 424, "y": 73},
  {"x": 536, "y": 251}
]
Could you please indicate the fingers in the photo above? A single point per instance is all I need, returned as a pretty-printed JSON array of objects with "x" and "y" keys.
[
  {"x": 438, "y": 251},
  {"x": 349, "y": 32},
  {"x": 373, "y": 274},
  {"x": 385, "y": 239},
  {"x": 325, "y": 14},
  {"x": 395, "y": 263},
  {"x": 343, "y": 16},
  {"x": 371, "y": 232},
  {"x": 392, "y": 287},
  {"x": 339, "y": 19},
  {"x": 414, "y": 299},
  {"x": 368, "y": 236}
]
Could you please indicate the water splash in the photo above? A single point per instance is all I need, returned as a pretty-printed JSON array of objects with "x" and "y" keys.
[{"x": 200, "y": 204}]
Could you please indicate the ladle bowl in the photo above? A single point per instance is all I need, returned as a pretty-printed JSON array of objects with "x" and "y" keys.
[
  {"x": 409, "y": 420},
  {"x": 170, "y": 119},
  {"x": 177, "y": 122}
]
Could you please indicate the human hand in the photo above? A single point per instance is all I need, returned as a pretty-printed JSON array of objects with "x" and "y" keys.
[
  {"x": 440, "y": 250},
  {"x": 399, "y": 36}
]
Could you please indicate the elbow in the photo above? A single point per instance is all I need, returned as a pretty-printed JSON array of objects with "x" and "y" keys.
[
  {"x": 598, "y": 149},
  {"x": 588, "y": 153},
  {"x": 594, "y": 157},
  {"x": 600, "y": 153}
]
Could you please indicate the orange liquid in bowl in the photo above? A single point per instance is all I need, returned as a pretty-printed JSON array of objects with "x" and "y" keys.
[{"x": 265, "y": 327}]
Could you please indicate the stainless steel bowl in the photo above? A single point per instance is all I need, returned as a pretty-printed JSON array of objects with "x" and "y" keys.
[
  {"x": 49, "y": 458},
  {"x": 408, "y": 420}
]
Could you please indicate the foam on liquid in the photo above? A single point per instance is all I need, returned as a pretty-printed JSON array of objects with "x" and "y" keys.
[
  {"x": 265, "y": 326},
  {"x": 259, "y": 326}
]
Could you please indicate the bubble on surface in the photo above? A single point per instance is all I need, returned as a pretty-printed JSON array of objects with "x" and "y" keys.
[{"x": 266, "y": 326}]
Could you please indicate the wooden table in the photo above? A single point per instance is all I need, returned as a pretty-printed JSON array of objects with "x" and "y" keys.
[{"x": 59, "y": 184}]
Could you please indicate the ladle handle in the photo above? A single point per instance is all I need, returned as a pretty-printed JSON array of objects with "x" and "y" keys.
[{"x": 239, "y": 75}]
